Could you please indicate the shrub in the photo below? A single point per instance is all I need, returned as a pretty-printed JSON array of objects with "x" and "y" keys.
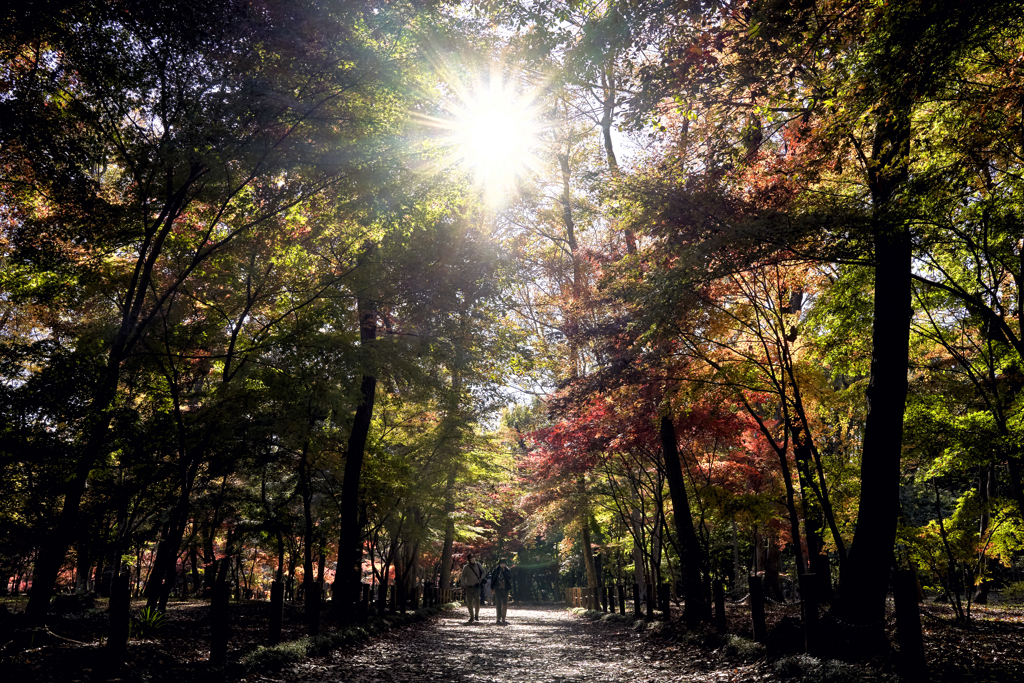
[
  {"x": 808, "y": 669},
  {"x": 616, "y": 618},
  {"x": 702, "y": 639},
  {"x": 146, "y": 624},
  {"x": 1013, "y": 593},
  {"x": 795, "y": 666},
  {"x": 276, "y": 657},
  {"x": 743, "y": 649},
  {"x": 319, "y": 646}
]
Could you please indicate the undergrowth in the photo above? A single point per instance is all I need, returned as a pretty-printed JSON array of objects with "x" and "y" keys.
[{"x": 276, "y": 657}]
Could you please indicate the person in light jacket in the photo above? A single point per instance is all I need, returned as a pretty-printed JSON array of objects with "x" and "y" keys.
[{"x": 472, "y": 577}]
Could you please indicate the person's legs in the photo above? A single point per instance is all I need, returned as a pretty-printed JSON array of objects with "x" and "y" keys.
[
  {"x": 501, "y": 602},
  {"x": 473, "y": 599},
  {"x": 473, "y": 602}
]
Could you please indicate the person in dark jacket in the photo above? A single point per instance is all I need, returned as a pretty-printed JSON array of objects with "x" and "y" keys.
[{"x": 501, "y": 583}]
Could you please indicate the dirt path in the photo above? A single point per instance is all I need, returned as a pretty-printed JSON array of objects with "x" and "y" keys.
[{"x": 540, "y": 645}]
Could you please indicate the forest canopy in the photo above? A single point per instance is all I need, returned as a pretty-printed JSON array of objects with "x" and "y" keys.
[{"x": 651, "y": 293}]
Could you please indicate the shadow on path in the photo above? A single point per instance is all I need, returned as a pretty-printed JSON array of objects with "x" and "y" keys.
[{"x": 539, "y": 645}]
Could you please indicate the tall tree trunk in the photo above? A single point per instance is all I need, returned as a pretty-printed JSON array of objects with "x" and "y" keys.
[
  {"x": 864, "y": 577},
  {"x": 812, "y": 507},
  {"x": 608, "y": 95},
  {"x": 588, "y": 553},
  {"x": 53, "y": 549},
  {"x": 194, "y": 557},
  {"x": 691, "y": 556},
  {"x": 82, "y": 567},
  {"x": 350, "y": 547},
  {"x": 449, "y": 529},
  {"x": 307, "y": 517},
  {"x": 986, "y": 490},
  {"x": 279, "y": 576},
  {"x": 585, "y": 540},
  {"x": 639, "y": 573}
]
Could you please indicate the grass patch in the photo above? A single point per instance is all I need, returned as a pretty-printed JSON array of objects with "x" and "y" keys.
[
  {"x": 617, "y": 618},
  {"x": 276, "y": 657},
  {"x": 742, "y": 649},
  {"x": 807, "y": 669}
]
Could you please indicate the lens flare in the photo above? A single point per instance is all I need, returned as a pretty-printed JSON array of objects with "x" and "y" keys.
[{"x": 491, "y": 132}]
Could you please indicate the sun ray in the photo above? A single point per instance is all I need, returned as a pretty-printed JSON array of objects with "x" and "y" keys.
[{"x": 491, "y": 132}]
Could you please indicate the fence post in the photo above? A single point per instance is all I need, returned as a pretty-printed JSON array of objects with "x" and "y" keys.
[
  {"x": 219, "y": 626},
  {"x": 636, "y": 601},
  {"x": 913, "y": 666},
  {"x": 120, "y": 606},
  {"x": 276, "y": 611},
  {"x": 757, "y": 608},
  {"x": 809, "y": 609},
  {"x": 620, "y": 590},
  {"x": 604, "y": 598},
  {"x": 721, "y": 625},
  {"x": 664, "y": 603}
]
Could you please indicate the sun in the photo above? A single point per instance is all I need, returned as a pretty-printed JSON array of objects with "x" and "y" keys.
[
  {"x": 492, "y": 132},
  {"x": 496, "y": 132}
]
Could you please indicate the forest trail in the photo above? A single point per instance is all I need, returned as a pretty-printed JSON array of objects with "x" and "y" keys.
[{"x": 539, "y": 645}]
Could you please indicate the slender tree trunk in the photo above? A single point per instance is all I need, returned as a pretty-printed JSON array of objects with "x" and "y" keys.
[
  {"x": 449, "y": 530},
  {"x": 986, "y": 489},
  {"x": 452, "y": 417},
  {"x": 280, "y": 557},
  {"x": 307, "y": 517},
  {"x": 608, "y": 95},
  {"x": 350, "y": 547},
  {"x": 588, "y": 553},
  {"x": 736, "y": 571},
  {"x": 639, "y": 574},
  {"x": 83, "y": 565},
  {"x": 691, "y": 556},
  {"x": 196, "y": 581}
]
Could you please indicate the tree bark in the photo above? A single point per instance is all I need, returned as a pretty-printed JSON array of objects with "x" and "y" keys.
[
  {"x": 350, "y": 549},
  {"x": 864, "y": 577},
  {"x": 449, "y": 530},
  {"x": 691, "y": 557}
]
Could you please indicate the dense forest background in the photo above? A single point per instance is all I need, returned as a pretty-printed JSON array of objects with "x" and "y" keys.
[{"x": 641, "y": 292}]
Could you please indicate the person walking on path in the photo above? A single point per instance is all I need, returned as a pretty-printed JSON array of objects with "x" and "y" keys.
[
  {"x": 501, "y": 581},
  {"x": 472, "y": 577}
]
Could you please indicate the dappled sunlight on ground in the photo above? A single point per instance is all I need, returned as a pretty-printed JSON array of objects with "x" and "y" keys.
[{"x": 539, "y": 645}]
